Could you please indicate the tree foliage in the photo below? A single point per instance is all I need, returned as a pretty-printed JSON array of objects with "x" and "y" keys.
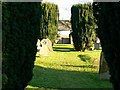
[
  {"x": 20, "y": 29},
  {"x": 83, "y": 26},
  {"x": 108, "y": 21},
  {"x": 49, "y": 22}
]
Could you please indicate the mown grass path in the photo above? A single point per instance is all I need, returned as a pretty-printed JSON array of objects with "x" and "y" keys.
[{"x": 67, "y": 68}]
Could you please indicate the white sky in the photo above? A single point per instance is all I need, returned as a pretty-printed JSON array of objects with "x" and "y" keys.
[{"x": 65, "y": 7}]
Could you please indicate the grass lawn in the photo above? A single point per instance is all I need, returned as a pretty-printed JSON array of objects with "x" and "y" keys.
[{"x": 66, "y": 68}]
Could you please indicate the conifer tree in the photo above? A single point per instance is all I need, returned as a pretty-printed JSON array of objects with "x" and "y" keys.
[
  {"x": 108, "y": 21},
  {"x": 49, "y": 22},
  {"x": 83, "y": 26},
  {"x": 20, "y": 29}
]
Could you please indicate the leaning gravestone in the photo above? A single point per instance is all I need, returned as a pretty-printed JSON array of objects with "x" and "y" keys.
[
  {"x": 46, "y": 47},
  {"x": 103, "y": 68}
]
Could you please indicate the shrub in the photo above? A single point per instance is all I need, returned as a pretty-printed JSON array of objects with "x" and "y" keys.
[
  {"x": 108, "y": 21},
  {"x": 20, "y": 29},
  {"x": 83, "y": 26},
  {"x": 49, "y": 21}
]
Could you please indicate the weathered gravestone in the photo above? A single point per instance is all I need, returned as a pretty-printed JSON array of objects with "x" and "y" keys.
[
  {"x": 38, "y": 45},
  {"x": 45, "y": 47},
  {"x": 97, "y": 44},
  {"x": 95, "y": 63},
  {"x": 49, "y": 44},
  {"x": 103, "y": 68}
]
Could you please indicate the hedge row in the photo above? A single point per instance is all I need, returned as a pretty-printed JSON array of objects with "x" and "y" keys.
[
  {"x": 49, "y": 22},
  {"x": 20, "y": 30},
  {"x": 108, "y": 21},
  {"x": 83, "y": 26}
]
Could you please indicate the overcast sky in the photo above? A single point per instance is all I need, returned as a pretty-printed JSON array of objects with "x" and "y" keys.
[{"x": 65, "y": 7}]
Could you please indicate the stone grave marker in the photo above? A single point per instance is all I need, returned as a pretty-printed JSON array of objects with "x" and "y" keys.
[
  {"x": 49, "y": 44},
  {"x": 103, "y": 68},
  {"x": 38, "y": 45},
  {"x": 45, "y": 47},
  {"x": 97, "y": 44}
]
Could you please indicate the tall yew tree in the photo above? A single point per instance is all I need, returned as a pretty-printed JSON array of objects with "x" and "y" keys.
[
  {"x": 83, "y": 26},
  {"x": 108, "y": 21},
  {"x": 20, "y": 29},
  {"x": 49, "y": 22}
]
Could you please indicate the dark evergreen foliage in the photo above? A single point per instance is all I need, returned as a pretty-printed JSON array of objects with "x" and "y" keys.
[
  {"x": 83, "y": 26},
  {"x": 49, "y": 22},
  {"x": 20, "y": 30},
  {"x": 108, "y": 21}
]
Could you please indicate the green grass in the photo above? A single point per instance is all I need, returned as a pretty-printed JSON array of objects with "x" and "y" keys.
[{"x": 67, "y": 68}]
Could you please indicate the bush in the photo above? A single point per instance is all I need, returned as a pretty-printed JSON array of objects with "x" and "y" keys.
[
  {"x": 108, "y": 21},
  {"x": 49, "y": 21},
  {"x": 20, "y": 29},
  {"x": 83, "y": 26}
]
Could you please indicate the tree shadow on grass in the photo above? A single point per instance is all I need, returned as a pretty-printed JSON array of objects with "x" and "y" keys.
[
  {"x": 85, "y": 58},
  {"x": 63, "y": 49},
  {"x": 82, "y": 66},
  {"x": 55, "y": 79}
]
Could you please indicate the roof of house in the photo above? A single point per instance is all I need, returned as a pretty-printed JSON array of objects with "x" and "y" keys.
[{"x": 64, "y": 25}]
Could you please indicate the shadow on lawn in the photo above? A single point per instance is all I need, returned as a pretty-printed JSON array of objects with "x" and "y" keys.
[
  {"x": 53, "y": 79},
  {"x": 82, "y": 66},
  {"x": 85, "y": 58},
  {"x": 63, "y": 49}
]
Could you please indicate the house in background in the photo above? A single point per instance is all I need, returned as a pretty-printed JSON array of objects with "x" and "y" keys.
[{"x": 64, "y": 31}]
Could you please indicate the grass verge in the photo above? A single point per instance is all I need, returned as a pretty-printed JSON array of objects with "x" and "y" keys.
[{"x": 67, "y": 68}]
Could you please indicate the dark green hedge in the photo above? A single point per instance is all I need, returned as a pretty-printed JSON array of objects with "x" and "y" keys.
[
  {"x": 49, "y": 22},
  {"x": 83, "y": 26},
  {"x": 20, "y": 30},
  {"x": 108, "y": 21}
]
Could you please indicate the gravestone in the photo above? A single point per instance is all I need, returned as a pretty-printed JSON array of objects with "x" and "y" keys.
[
  {"x": 71, "y": 39},
  {"x": 45, "y": 47},
  {"x": 103, "y": 68},
  {"x": 97, "y": 44},
  {"x": 38, "y": 45},
  {"x": 95, "y": 63}
]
